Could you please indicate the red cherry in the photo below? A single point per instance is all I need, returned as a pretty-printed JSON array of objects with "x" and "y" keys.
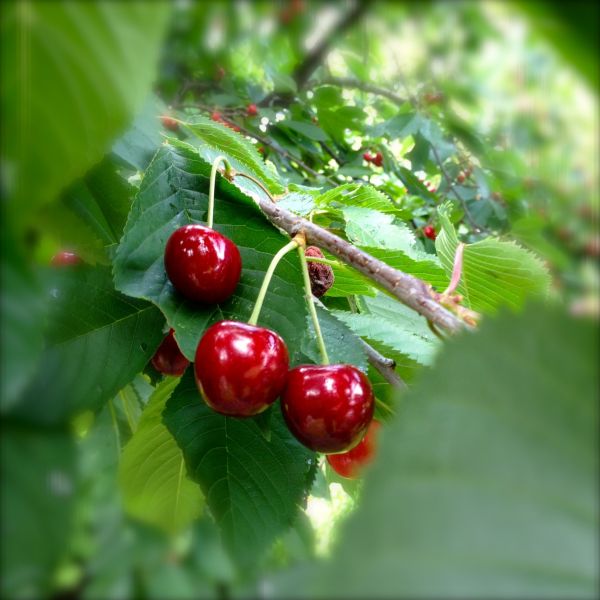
[
  {"x": 368, "y": 156},
  {"x": 350, "y": 464},
  {"x": 216, "y": 116},
  {"x": 429, "y": 232},
  {"x": 240, "y": 369},
  {"x": 460, "y": 178},
  {"x": 328, "y": 408},
  {"x": 169, "y": 123},
  {"x": 168, "y": 359},
  {"x": 202, "y": 264},
  {"x": 63, "y": 258},
  {"x": 252, "y": 110},
  {"x": 377, "y": 160}
]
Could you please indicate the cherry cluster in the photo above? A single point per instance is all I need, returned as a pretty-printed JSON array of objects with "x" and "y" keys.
[
  {"x": 376, "y": 159},
  {"x": 241, "y": 369}
]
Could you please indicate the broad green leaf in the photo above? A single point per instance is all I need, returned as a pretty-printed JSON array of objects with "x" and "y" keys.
[
  {"x": 494, "y": 272},
  {"x": 152, "y": 474},
  {"x": 394, "y": 326},
  {"x": 73, "y": 74},
  {"x": 38, "y": 492},
  {"x": 97, "y": 340},
  {"x": 216, "y": 139},
  {"x": 490, "y": 473},
  {"x": 174, "y": 193},
  {"x": 22, "y": 312},
  {"x": 348, "y": 282},
  {"x": 253, "y": 487},
  {"x": 353, "y": 194},
  {"x": 366, "y": 227},
  {"x": 307, "y": 129}
]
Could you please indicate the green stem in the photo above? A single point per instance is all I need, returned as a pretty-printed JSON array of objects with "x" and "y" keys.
[
  {"x": 257, "y": 182},
  {"x": 311, "y": 307},
  {"x": 267, "y": 280},
  {"x": 324, "y": 261},
  {"x": 211, "y": 189}
]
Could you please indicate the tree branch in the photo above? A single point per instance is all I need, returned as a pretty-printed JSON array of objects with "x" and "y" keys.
[
  {"x": 384, "y": 365},
  {"x": 411, "y": 291},
  {"x": 349, "y": 82}
]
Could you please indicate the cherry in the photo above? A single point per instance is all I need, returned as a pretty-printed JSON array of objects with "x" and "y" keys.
[
  {"x": 240, "y": 369},
  {"x": 377, "y": 160},
  {"x": 251, "y": 110},
  {"x": 368, "y": 156},
  {"x": 460, "y": 178},
  {"x": 321, "y": 275},
  {"x": 202, "y": 264},
  {"x": 328, "y": 407},
  {"x": 216, "y": 116},
  {"x": 350, "y": 464},
  {"x": 169, "y": 123},
  {"x": 168, "y": 358},
  {"x": 429, "y": 232},
  {"x": 64, "y": 258}
]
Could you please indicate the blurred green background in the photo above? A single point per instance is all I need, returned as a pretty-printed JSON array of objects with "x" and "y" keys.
[{"x": 467, "y": 498}]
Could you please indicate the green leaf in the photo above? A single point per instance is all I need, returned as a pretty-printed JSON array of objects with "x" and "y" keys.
[
  {"x": 174, "y": 193},
  {"x": 73, "y": 74},
  {"x": 253, "y": 487},
  {"x": 97, "y": 340},
  {"x": 22, "y": 313},
  {"x": 394, "y": 326},
  {"x": 490, "y": 473},
  {"x": 366, "y": 227},
  {"x": 152, "y": 474},
  {"x": 495, "y": 273},
  {"x": 38, "y": 492},
  {"x": 355, "y": 194},
  {"x": 216, "y": 139},
  {"x": 307, "y": 129}
]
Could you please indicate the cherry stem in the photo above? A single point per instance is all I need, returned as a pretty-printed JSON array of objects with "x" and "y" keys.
[
  {"x": 311, "y": 306},
  {"x": 253, "y": 320},
  {"x": 211, "y": 189},
  {"x": 324, "y": 261}
]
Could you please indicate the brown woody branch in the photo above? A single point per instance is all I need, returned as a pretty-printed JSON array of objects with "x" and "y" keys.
[
  {"x": 349, "y": 82},
  {"x": 412, "y": 292},
  {"x": 385, "y": 366}
]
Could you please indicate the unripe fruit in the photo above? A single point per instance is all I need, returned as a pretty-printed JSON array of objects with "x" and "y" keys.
[
  {"x": 168, "y": 358},
  {"x": 252, "y": 110},
  {"x": 202, "y": 264},
  {"x": 377, "y": 160},
  {"x": 429, "y": 232},
  {"x": 240, "y": 369},
  {"x": 169, "y": 123},
  {"x": 321, "y": 276},
  {"x": 350, "y": 464},
  {"x": 64, "y": 258},
  {"x": 328, "y": 407}
]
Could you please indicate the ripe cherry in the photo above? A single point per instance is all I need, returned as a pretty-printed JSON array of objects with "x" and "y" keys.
[
  {"x": 368, "y": 156},
  {"x": 169, "y": 123},
  {"x": 216, "y": 116},
  {"x": 168, "y": 358},
  {"x": 377, "y": 160},
  {"x": 329, "y": 407},
  {"x": 429, "y": 232},
  {"x": 350, "y": 464},
  {"x": 251, "y": 110},
  {"x": 202, "y": 264},
  {"x": 240, "y": 369},
  {"x": 64, "y": 258}
]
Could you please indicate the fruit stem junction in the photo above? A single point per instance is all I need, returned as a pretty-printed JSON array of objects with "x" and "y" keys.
[
  {"x": 309, "y": 300},
  {"x": 267, "y": 280},
  {"x": 211, "y": 189}
]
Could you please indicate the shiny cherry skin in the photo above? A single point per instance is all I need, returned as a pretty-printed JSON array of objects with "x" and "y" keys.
[
  {"x": 168, "y": 358},
  {"x": 64, "y": 258},
  {"x": 202, "y": 264},
  {"x": 429, "y": 232},
  {"x": 251, "y": 110},
  {"x": 328, "y": 408},
  {"x": 240, "y": 369},
  {"x": 368, "y": 156},
  {"x": 350, "y": 464}
]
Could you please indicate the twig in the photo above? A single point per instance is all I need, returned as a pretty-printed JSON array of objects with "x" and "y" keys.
[
  {"x": 411, "y": 291},
  {"x": 349, "y": 82},
  {"x": 384, "y": 365}
]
